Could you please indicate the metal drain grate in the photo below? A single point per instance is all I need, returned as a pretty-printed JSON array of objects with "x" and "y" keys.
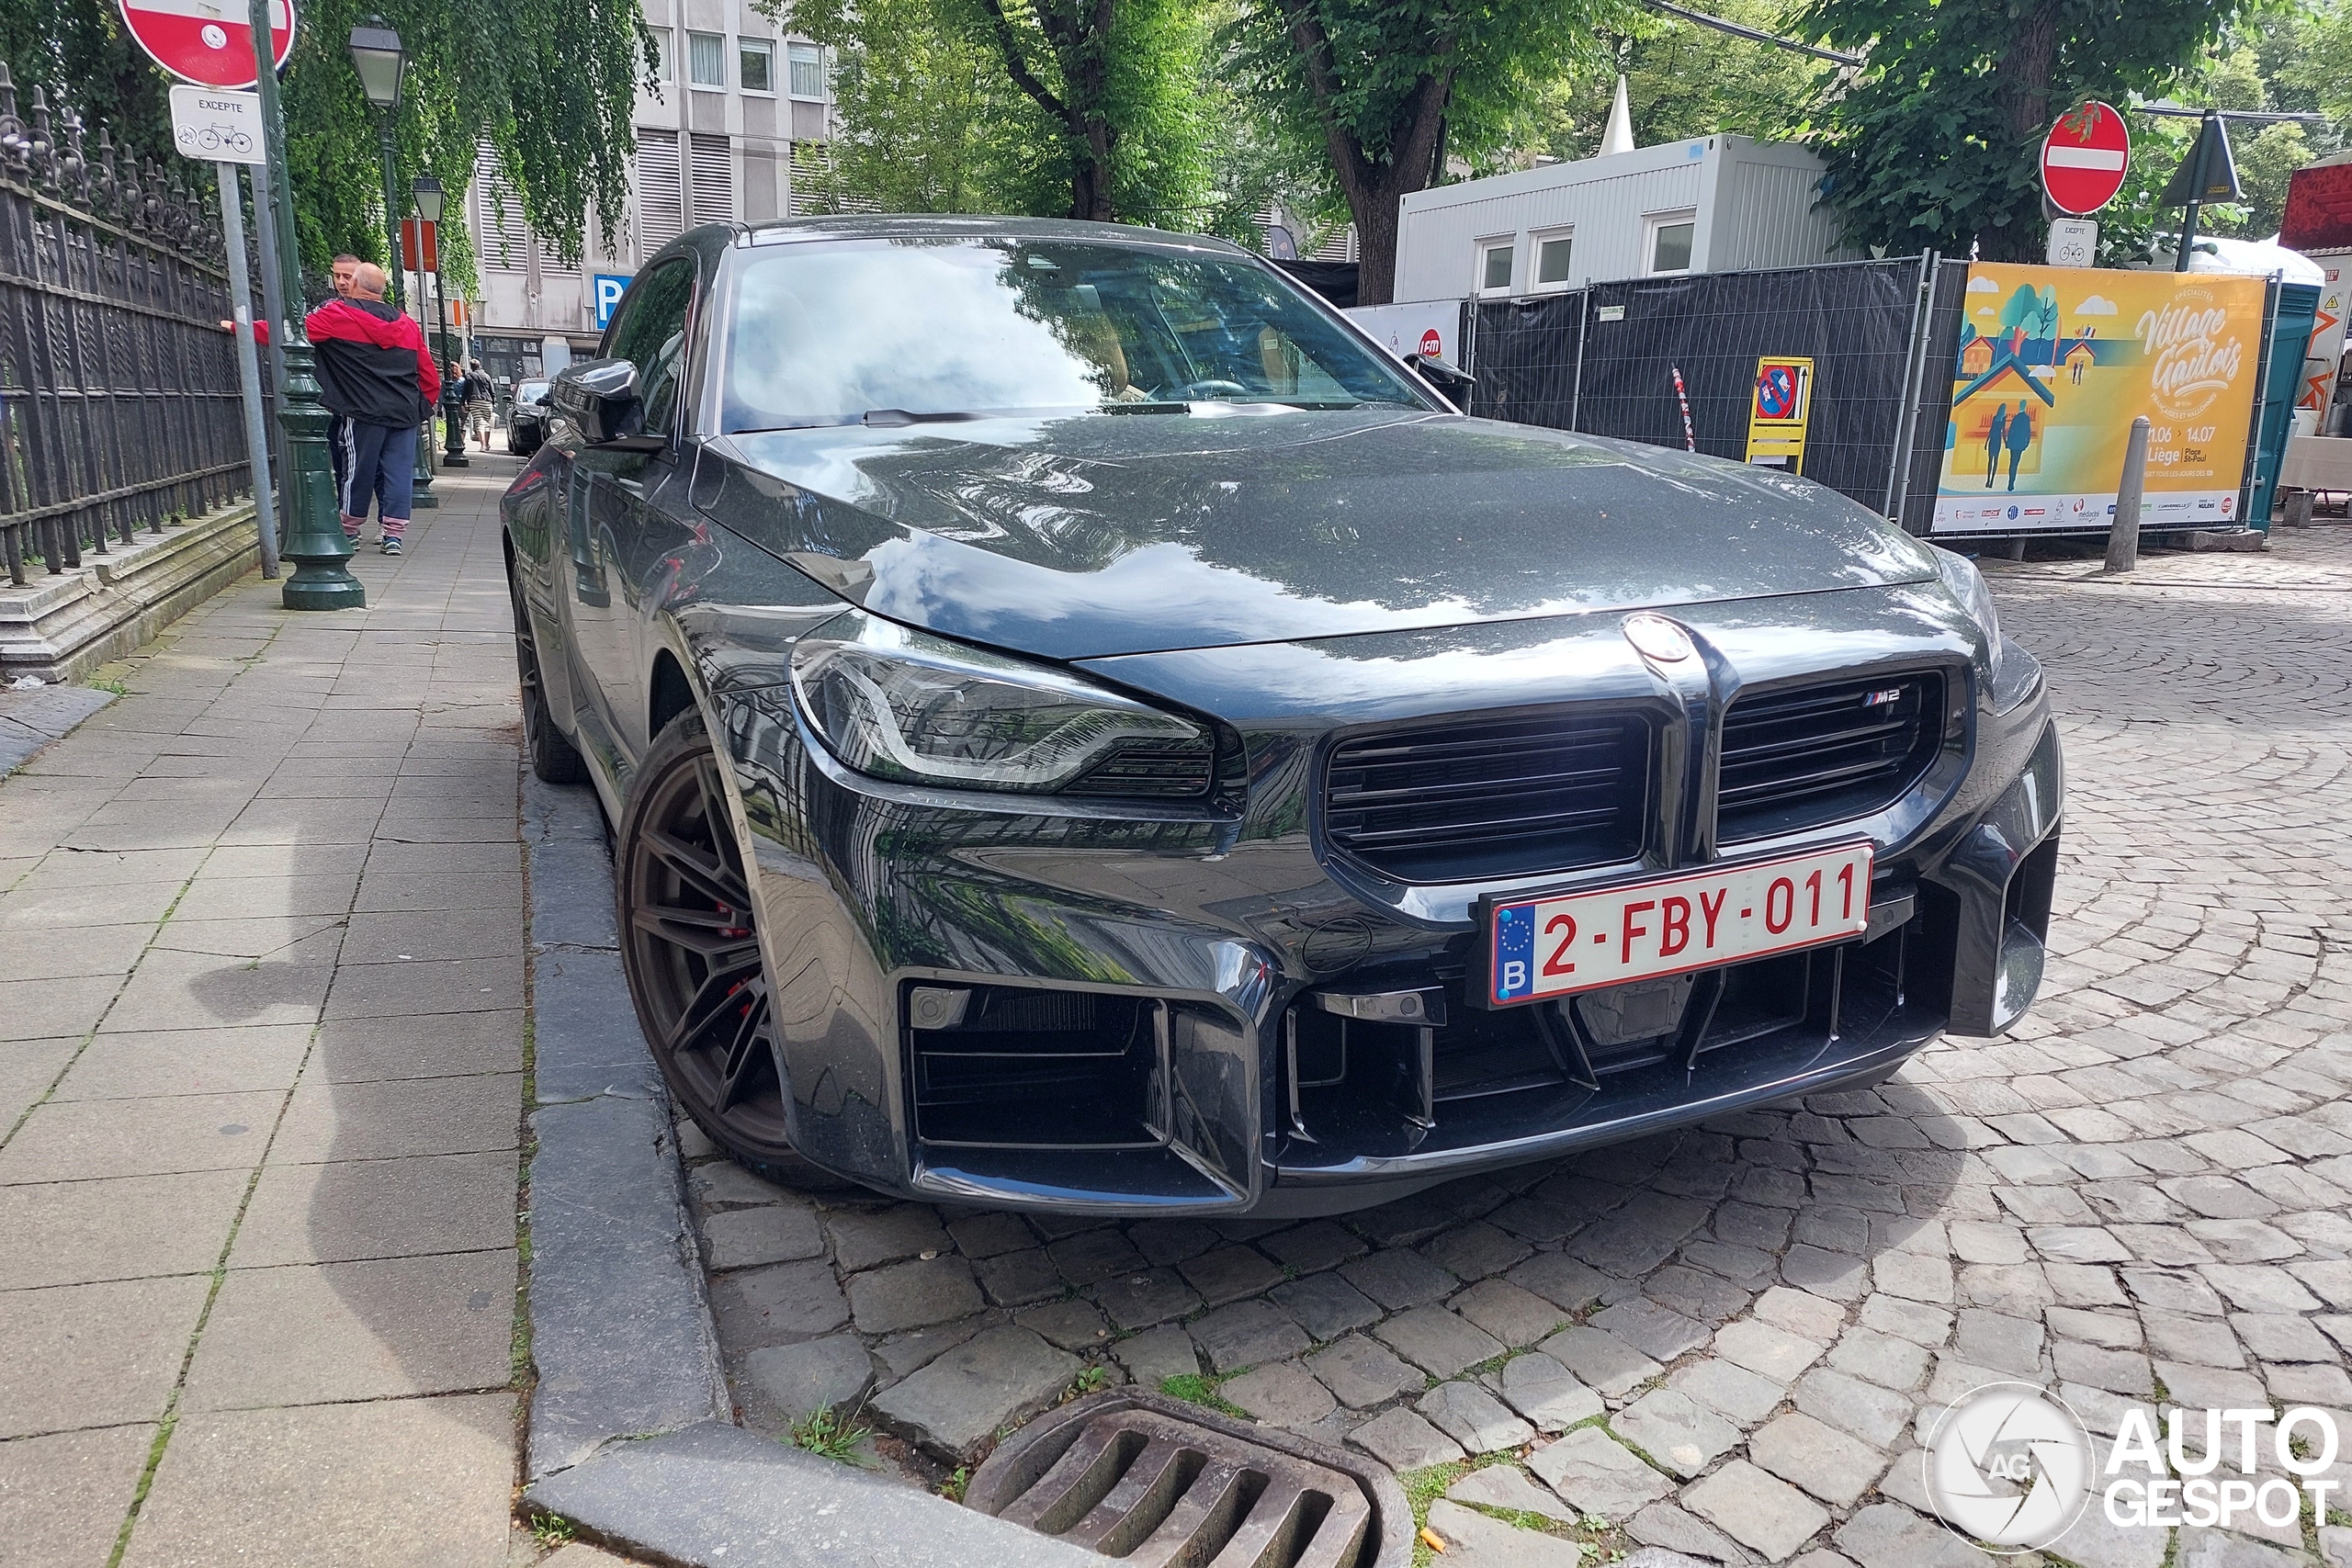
[{"x": 1162, "y": 1484}]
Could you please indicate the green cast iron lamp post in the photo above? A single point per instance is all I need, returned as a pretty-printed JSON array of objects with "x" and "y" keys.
[
  {"x": 314, "y": 540},
  {"x": 431, "y": 202},
  {"x": 380, "y": 61}
]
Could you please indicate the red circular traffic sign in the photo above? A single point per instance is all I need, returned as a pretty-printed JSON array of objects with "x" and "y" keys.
[
  {"x": 1432, "y": 344},
  {"x": 206, "y": 43},
  {"x": 2084, "y": 159}
]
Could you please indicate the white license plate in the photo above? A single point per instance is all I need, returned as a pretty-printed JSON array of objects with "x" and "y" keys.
[{"x": 1556, "y": 944}]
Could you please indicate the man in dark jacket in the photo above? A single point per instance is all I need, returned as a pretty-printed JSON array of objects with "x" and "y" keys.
[{"x": 379, "y": 379}]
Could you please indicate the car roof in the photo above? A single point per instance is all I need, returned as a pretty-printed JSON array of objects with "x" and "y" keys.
[{"x": 711, "y": 237}]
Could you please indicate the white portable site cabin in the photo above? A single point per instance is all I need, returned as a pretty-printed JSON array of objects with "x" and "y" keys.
[{"x": 1710, "y": 204}]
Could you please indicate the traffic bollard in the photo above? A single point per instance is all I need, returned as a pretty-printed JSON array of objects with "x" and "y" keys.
[{"x": 2123, "y": 538}]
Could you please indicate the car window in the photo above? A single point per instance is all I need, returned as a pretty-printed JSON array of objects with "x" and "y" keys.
[
  {"x": 652, "y": 335},
  {"x": 531, "y": 394},
  {"x": 826, "y": 334}
]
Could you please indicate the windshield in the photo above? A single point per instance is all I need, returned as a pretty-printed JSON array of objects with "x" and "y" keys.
[
  {"x": 905, "y": 330},
  {"x": 532, "y": 392}
]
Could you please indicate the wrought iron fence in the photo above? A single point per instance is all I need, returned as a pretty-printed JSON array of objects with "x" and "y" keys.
[{"x": 119, "y": 400}]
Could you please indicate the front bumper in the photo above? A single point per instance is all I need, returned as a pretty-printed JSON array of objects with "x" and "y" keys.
[{"x": 1111, "y": 1007}]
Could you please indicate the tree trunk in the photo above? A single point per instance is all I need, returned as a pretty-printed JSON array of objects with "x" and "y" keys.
[
  {"x": 1090, "y": 157},
  {"x": 1374, "y": 189},
  {"x": 2023, "y": 91},
  {"x": 1374, "y": 210}
]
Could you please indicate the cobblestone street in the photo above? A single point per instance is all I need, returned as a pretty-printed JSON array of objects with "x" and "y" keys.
[{"x": 1743, "y": 1330}]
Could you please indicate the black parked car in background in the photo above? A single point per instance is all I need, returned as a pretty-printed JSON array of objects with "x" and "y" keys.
[
  {"x": 526, "y": 421},
  {"x": 1085, "y": 729}
]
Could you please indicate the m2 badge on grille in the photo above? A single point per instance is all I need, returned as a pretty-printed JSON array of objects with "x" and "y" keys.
[{"x": 1555, "y": 945}]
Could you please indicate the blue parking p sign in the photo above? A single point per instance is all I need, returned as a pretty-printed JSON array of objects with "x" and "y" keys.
[{"x": 609, "y": 290}]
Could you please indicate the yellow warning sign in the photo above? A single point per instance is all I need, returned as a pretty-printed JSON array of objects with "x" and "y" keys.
[{"x": 1778, "y": 413}]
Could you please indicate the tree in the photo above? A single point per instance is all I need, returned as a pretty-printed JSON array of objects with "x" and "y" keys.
[
  {"x": 552, "y": 85},
  {"x": 1005, "y": 99},
  {"x": 929, "y": 122},
  {"x": 1682, "y": 80},
  {"x": 1388, "y": 90},
  {"x": 1937, "y": 142}
]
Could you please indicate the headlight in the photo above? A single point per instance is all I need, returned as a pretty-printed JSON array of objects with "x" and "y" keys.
[
  {"x": 903, "y": 704},
  {"x": 1967, "y": 585}
]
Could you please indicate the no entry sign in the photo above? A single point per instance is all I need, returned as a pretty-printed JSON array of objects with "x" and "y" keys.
[
  {"x": 2084, "y": 159},
  {"x": 207, "y": 41}
]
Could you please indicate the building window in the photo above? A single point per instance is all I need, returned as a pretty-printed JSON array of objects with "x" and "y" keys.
[
  {"x": 1670, "y": 234},
  {"x": 1552, "y": 254},
  {"x": 707, "y": 59},
  {"x": 807, "y": 71},
  {"x": 665, "y": 65},
  {"x": 1494, "y": 266},
  {"x": 755, "y": 64}
]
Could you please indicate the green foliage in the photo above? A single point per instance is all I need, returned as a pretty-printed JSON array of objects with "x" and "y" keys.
[
  {"x": 552, "y": 1530},
  {"x": 551, "y": 84},
  {"x": 1936, "y": 141},
  {"x": 1683, "y": 81},
  {"x": 829, "y": 1436},
  {"x": 930, "y": 122},
  {"x": 2278, "y": 59},
  {"x": 1078, "y": 108},
  {"x": 1386, "y": 90}
]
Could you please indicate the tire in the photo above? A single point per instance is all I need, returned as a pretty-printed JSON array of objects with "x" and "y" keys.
[
  {"x": 553, "y": 757},
  {"x": 690, "y": 946}
]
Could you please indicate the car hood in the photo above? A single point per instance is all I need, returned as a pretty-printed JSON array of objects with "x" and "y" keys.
[{"x": 1089, "y": 535}]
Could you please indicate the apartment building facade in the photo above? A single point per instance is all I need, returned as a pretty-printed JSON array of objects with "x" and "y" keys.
[{"x": 713, "y": 144}]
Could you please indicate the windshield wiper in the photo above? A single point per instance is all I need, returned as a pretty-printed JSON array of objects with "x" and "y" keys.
[
  {"x": 1146, "y": 408},
  {"x": 891, "y": 419}
]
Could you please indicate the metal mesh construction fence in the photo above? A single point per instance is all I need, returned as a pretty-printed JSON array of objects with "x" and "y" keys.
[{"x": 1604, "y": 360}]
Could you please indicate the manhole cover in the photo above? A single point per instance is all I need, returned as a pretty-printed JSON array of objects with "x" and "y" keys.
[{"x": 1160, "y": 1483}]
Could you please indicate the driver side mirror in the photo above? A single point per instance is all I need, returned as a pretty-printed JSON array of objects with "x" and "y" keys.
[
  {"x": 601, "y": 397},
  {"x": 1456, "y": 383}
]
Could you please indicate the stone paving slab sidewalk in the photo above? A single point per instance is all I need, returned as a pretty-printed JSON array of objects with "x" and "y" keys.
[
  {"x": 261, "y": 1057},
  {"x": 1745, "y": 1330}
]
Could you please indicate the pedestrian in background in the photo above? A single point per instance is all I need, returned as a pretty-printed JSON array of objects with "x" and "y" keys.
[
  {"x": 480, "y": 406},
  {"x": 379, "y": 378}
]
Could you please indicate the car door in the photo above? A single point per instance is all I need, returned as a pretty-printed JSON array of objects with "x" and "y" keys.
[{"x": 607, "y": 508}]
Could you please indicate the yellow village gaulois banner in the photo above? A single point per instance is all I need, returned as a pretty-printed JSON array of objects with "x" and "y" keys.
[{"x": 2053, "y": 364}]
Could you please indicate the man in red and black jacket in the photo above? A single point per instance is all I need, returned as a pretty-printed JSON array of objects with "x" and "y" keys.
[{"x": 379, "y": 379}]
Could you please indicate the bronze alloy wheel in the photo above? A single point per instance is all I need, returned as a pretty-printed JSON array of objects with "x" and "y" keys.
[{"x": 690, "y": 943}]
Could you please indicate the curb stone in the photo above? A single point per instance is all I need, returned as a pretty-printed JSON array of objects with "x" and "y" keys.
[
  {"x": 715, "y": 1493},
  {"x": 629, "y": 1435}
]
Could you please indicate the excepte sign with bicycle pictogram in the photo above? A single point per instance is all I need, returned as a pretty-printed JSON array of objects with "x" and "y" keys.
[
  {"x": 216, "y": 125},
  {"x": 205, "y": 42}
]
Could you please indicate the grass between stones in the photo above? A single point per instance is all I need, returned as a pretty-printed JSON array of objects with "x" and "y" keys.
[
  {"x": 1196, "y": 1388},
  {"x": 1596, "y": 1540}
]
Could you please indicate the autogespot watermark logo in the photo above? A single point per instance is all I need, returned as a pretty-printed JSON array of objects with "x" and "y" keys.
[
  {"x": 2013, "y": 1468},
  {"x": 2010, "y": 1466}
]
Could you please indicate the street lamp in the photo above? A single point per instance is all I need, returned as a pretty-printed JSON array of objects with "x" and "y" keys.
[
  {"x": 314, "y": 540},
  {"x": 431, "y": 202},
  {"x": 380, "y": 63}
]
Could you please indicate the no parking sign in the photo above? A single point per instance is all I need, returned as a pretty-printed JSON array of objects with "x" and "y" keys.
[{"x": 1778, "y": 414}]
